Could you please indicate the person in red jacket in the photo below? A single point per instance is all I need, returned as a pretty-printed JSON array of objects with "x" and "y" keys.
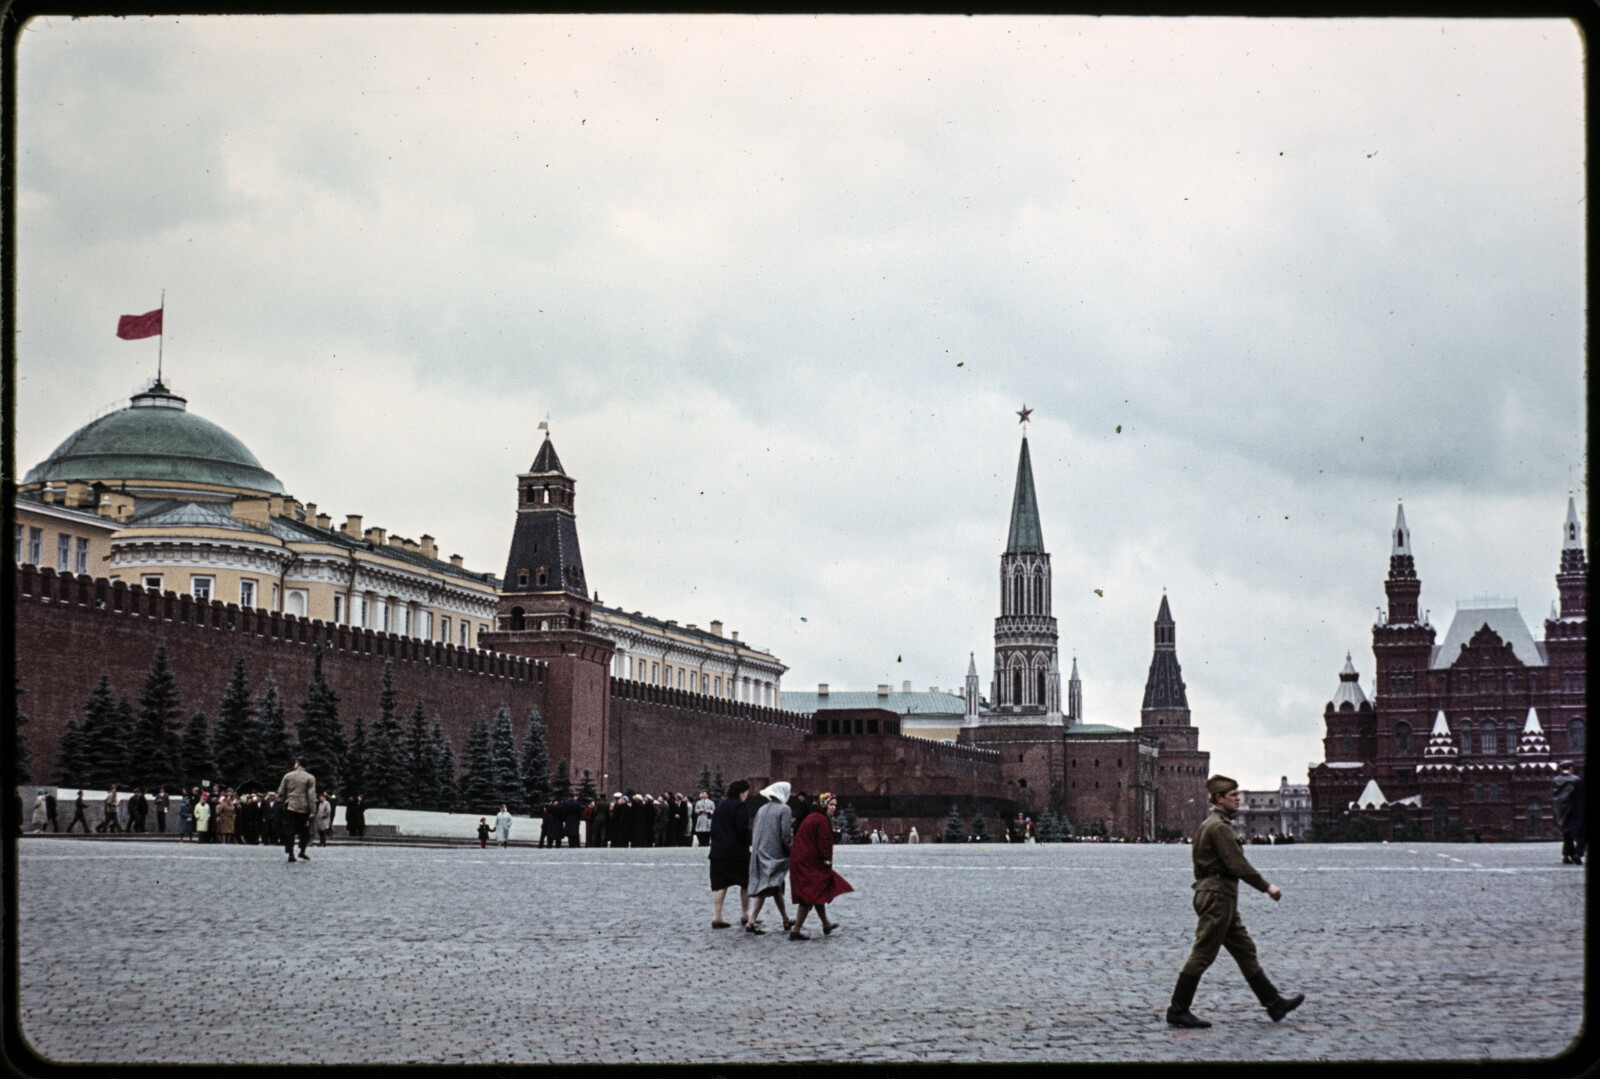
[{"x": 812, "y": 881}]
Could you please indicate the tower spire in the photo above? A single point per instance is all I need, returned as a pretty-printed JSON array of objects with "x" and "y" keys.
[
  {"x": 1402, "y": 586},
  {"x": 1025, "y": 537}
]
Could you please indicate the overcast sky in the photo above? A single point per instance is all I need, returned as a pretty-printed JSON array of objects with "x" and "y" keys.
[{"x": 780, "y": 285}]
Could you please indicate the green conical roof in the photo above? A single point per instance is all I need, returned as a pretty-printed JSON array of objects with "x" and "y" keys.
[{"x": 1026, "y": 536}]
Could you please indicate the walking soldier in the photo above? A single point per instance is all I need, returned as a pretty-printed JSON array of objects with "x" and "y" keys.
[{"x": 1219, "y": 866}]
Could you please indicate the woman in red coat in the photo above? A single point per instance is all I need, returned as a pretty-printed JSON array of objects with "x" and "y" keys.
[{"x": 812, "y": 880}]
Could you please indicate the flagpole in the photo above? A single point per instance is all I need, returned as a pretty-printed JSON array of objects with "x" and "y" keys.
[{"x": 161, "y": 338}]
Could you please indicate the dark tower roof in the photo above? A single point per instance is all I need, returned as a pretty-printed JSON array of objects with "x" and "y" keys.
[
  {"x": 547, "y": 461},
  {"x": 1164, "y": 687},
  {"x": 1026, "y": 537}
]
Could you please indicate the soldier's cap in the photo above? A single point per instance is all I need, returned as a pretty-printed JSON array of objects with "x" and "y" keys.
[
  {"x": 1217, "y": 786},
  {"x": 1564, "y": 765}
]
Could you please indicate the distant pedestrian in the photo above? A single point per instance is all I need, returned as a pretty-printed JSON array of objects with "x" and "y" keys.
[
  {"x": 186, "y": 818},
  {"x": 1219, "y": 866},
  {"x": 502, "y": 826},
  {"x": 1568, "y": 794},
  {"x": 227, "y": 818},
  {"x": 108, "y": 822},
  {"x": 50, "y": 809},
  {"x": 682, "y": 820},
  {"x": 483, "y": 833},
  {"x": 162, "y": 803},
  {"x": 202, "y": 819},
  {"x": 355, "y": 818},
  {"x": 297, "y": 794},
  {"x": 138, "y": 810},
  {"x": 730, "y": 853},
  {"x": 703, "y": 808},
  {"x": 78, "y": 808},
  {"x": 812, "y": 880},
  {"x": 324, "y": 819},
  {"x": 40, "y": 816},
  {"x": 771, "y": 837},
  {"x": 913, "y": 837}
]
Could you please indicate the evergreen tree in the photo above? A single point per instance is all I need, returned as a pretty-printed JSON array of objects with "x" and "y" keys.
[
  {"x": 720, "y": 790},
  {"x": 234, "y": 741},
  {"x": 443, "y": 767},
  {"x": 561, "y": 786},
  {"x": 321, "y": 746},
  {"x": 704, "y": 783},
  {"x": 979, "y": 829},
  {"x": 478, "y": 787},
  {"x": 952, "y": 827},
  {"x": 21, "y": 767},
  {"x": 1048, "y": 829},
  {"x": 153, "y": 742},
  {"x": 535, "y": 765},
  {"x": 355, "y": 766},
  {"x": 118, "y": 733},
  {"x": 195, "y": 754},
  {"x": 272, "y": 737},
  {"x": 388, "y": 766},
  {"x": 101, "y": 746},
  {"x": 586, "y": 791},
  {"x": 74, "y": 762},
  {"x": 69, "y": 755},
  {"x": 852, "y": 825},
  {"x": 420, "y": 784},
  {"x": 503, "y": 751}
]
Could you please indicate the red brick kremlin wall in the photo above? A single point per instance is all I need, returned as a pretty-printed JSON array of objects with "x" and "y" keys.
[
  {"x": 660, "y": 738},
  {"x": 69, "y": 629}
]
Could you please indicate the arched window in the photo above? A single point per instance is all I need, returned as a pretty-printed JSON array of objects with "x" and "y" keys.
[
  {"x": 542, "y": 576},
  {"x": 1535, "y": 821},
  {"x": 1038, "y": 595},
  {"x": 1513, "y": 736},
  {"x": 1016, "y": 685},
  {"x": 1575, "y": 736},
  {"x": 522, "y": 577},
  {"x": 1402, "y": 738},
  {"x": 1016, "y": 595},
  {"x": 1488, "y": 740},
  {"x": 516, "y": 618},
  {"x": 1466, "y": 738},
  {"x": 1040, "y": 698}
]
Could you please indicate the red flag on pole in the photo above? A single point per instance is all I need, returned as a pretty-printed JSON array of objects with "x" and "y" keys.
[{"x": 133, "y": 327}]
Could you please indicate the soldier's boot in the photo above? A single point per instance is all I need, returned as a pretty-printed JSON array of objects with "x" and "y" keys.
[
  {"x": 1277, "y": 1004},
  {"x": 1178, "y": 1013}
]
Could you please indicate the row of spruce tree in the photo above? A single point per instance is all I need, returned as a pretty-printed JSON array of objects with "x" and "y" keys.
[{"x": 402, "y": 763}]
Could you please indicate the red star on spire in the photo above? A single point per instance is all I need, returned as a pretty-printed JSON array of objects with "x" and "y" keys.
[{"x": 1024, "y": 413}]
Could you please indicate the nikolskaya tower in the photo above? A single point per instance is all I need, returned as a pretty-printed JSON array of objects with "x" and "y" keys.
[{"x": 1027, "y": 673}]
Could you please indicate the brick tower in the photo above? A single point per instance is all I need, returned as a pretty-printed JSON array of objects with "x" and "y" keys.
[
  {"x": 544, "y": 613},
  {"x": 1402, "y": 647},
  {"x": 1182, "y": 767},
  {"x": 1027, "y": 680}
]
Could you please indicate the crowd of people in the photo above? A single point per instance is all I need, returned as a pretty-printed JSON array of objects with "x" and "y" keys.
[{"x": 203, "y": 815}]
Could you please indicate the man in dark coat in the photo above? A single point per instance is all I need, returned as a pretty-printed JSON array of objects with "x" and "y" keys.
[
  {"x": 1567, "y": 792},
  {"x": 50, "y": 810},
  {"x": 617, "y": 820},
  {"x": 644, "y": 820},
  {"x": 78, "y": 808},
  {"x": 730, "y": 853},
  {"x": 571, "y": 814},
  {"x": 138, "y": 810},
  {"x": 1219, "y": 866},
  {"x": 680, "y": 820},
  {"x": 355, "y": 818},
  {"x": 163, "y": 802}
]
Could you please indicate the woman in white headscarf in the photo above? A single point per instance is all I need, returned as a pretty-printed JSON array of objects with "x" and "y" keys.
[{"x": 770, "y": 838}]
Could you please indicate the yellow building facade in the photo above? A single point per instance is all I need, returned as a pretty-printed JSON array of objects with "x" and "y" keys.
[{"x": 156, "y": 496}]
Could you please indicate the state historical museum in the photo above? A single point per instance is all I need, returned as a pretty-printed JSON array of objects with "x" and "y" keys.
[{"x": 1461, "y": 737}]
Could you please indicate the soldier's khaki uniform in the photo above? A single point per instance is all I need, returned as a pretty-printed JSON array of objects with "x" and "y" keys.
[{"x": 1219, "y": 866}]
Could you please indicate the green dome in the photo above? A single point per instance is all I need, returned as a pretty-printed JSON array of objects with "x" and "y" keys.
[{"x": 155, "y": 439}]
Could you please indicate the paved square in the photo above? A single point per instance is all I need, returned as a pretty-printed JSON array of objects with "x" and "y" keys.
[{"x": 147, "y": 952}]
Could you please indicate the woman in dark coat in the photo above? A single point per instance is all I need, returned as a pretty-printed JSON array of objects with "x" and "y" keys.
[
  {"x": 355, "y": 817},
  {"x": 812, "y": 881},
  {"x": 621, "y": 820},
  {"x": 730, "y": 853}
]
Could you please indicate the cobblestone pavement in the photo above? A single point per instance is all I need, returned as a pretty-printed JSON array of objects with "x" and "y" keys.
[{"x": 946, "y": 953}]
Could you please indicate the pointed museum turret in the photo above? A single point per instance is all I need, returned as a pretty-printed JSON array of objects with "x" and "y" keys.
[
  {"x": 1402, "y": 586},
  {"x": 1566, "y": 632},
  {"x": 1027, "y": 680},
  {"x": 543, "y": 612},
  {"x": 1572, "y": 581}
]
